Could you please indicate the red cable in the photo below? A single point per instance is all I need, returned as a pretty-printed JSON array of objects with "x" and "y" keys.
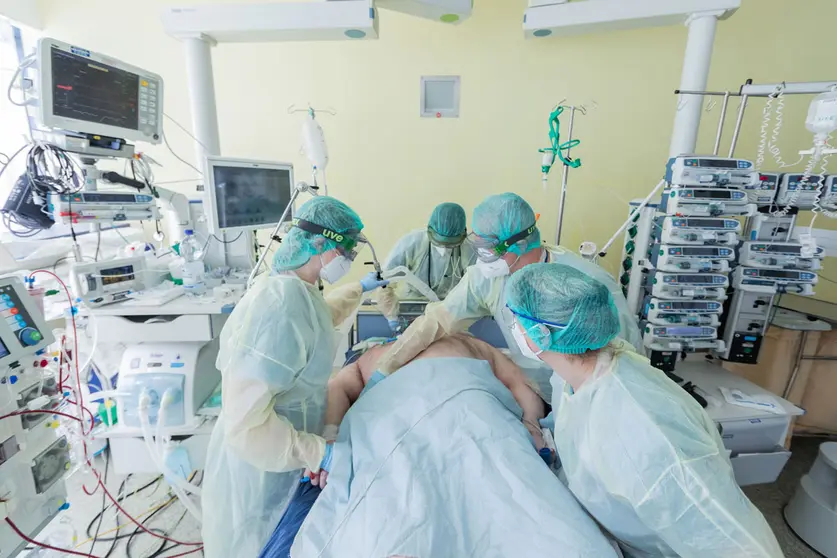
[
  {"x": 140, "y": 525},
  {"x": 88, "y": 411},
  {"x": 81, "y": 420},
  {"x": 44, "y": 545}
]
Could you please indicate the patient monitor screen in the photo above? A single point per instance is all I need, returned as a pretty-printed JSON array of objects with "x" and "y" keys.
[
  {"x": 251, "y": 197},
  {"x": 94, "y": 92}
]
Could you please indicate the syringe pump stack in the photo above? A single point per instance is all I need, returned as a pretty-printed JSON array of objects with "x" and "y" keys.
[{"x": 691, "y": 255}]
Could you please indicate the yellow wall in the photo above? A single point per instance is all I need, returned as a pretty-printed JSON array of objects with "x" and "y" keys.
[{"x": 393, "y": 166}]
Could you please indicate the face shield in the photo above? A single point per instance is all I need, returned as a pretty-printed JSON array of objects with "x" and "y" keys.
[{"x": 491, "y": 248}]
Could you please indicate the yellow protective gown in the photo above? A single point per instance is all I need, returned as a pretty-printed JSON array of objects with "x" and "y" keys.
[
  {"x": 648, "y": 464},
  {"x": 276, "y": 356},
  {"x": 477, "y": 296}
]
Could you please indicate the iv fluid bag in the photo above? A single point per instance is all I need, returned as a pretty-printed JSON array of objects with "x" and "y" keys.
[
  {"x": 313, "y": 142},
  {"x": 822, "y": 114}
]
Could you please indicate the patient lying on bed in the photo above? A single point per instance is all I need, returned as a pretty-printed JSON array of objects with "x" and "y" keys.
[
  {"x": 435, "y": 461},
  {"x": 345, "y": 388}
]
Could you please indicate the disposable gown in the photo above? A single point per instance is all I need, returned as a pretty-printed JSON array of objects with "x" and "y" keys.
[
  {"x": 276, "y": 355},
  {"x": 477, "y": 296},
  {"x": 440, "y": 272},
  {"x": 649, "y": 465}
]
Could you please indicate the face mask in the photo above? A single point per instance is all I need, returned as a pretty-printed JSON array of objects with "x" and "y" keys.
[
  {"x": 335, "y": 270},
  {"x": 498, "y": 268},
  {"x": 520, "y": 339},
  {"x": 443, "y": 251}
]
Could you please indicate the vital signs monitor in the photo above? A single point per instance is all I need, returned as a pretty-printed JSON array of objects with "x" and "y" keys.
[
  {"x": 90, "y": 93},
  {"x": 247, "y": 195}
]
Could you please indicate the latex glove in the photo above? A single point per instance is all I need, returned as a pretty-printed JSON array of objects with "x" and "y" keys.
[
  {"x": 394, "y": 326},
  {"x": 371, "y": 282},
  {"x": 320, "y": 478}
]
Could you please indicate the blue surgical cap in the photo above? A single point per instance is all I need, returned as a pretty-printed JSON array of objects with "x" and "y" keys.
[
  {"x": 448, "y": 220},
  {"x": 562, "y": 309},
  {"x": 504, "y": 215},
  {"x": 299, "y": 245}
]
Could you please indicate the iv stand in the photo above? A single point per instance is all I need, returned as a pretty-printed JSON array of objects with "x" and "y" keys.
[
  {"x": 565, "y": 175},
  {"x": 300, "y": 187}
]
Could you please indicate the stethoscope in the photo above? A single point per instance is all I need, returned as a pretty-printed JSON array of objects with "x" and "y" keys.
[{"x": 455, "y": 252}]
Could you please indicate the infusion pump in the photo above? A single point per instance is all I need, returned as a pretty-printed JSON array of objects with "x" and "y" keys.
[{"x": 710, "y": 171}]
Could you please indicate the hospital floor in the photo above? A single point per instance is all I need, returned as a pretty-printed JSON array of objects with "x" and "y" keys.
[
  {"x": 772, "y": 498},
  {"x": 769, "y": 498}
]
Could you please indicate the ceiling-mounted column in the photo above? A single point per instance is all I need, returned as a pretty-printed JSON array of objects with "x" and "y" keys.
[{"x": 696, "y": 62}]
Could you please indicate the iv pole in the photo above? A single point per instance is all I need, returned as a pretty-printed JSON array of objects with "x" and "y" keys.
[
  {"x": 564, "y": 176},
  {"x": 300, "y": 187}
]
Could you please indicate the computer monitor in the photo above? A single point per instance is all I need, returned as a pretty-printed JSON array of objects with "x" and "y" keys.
[
  {"x": 247, "y": 195},
  {"x": 88, "y": 92}
]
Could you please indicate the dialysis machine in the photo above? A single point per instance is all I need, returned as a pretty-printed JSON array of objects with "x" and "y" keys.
[
  {"x": 705, "y": 286},
  {"x": 34, "y": 455}
]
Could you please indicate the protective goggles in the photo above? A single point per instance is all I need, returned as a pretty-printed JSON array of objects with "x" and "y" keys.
[
  {"x": 447, "y": 241},
  {"x": 490, "y": 248},
  {"x": 537, "y": 321},
  {"x": 346, "y": 242}
]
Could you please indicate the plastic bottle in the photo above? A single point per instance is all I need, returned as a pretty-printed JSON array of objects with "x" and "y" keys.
[{"x": 193, "y": 269}]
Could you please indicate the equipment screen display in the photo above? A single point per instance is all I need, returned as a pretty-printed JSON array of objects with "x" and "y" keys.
[
  {"x": 719, "y": 163},
  {"x": 110, "y": 198},
  {"x": 251, "y": 196},
  {"x": 699, "y": 251},
  {"x": 691, "y": 306},
  {"x": 93, "y": 92},
  {"x": 779, "y": 249},
  {"x": 705, "y": 223},
  {"x": 4, "y": 351},
  {"x": 117, "y": 275},
  {"x": 780, "y": 274},
  {"x": 695, "y": 278},
  {"x": 714, "y": 194}
]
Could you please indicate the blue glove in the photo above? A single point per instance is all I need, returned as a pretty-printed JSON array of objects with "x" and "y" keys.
[
  {"x": 394, "y": 326},
  {"x": 371, "y": 282},
  {"x": 376, "y": 377},
  {"x": 325, "y": 464}
]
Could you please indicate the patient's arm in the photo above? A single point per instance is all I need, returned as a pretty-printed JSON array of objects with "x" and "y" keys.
[
  {"x": 345, "y": 387},
  {"x": 343, "y": 390}
]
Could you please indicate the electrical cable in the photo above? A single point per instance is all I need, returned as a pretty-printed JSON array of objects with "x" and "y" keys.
[
  {"x": 178, "y": 157},
  {"x": 104, "y": 498},
  {"x": 23, "y": 536},
  {"x": 25, "y": 63},
  {"x": 155, "y": 482},
  {"x": 187, "y": 132}
]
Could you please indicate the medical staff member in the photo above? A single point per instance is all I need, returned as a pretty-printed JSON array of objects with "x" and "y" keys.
[
  {"x": 639, "y": 452},
  {"x": 507, "y": 239},
  {"x": 275, "y": 358},
  {"x": 438, "y": 255}
]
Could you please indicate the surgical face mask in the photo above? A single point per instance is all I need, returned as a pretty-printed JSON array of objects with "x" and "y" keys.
[
  {"x": 443, "y": 251},
  {"x": 335, "y": 270},
  {"x": 520, "y": 339},
  {"x": 497, "y": 268}
]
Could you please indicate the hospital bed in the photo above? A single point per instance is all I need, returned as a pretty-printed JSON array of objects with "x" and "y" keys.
[{"x": 434, "y": 461}]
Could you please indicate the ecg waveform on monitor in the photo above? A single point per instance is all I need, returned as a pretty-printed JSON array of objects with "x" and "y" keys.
[{"x": 93, "y": 92}]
